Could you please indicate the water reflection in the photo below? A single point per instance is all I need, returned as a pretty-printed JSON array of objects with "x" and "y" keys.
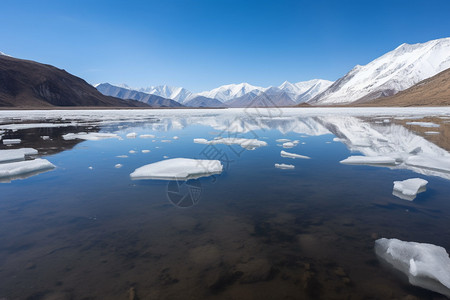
[{"x": 370, "y": 137}]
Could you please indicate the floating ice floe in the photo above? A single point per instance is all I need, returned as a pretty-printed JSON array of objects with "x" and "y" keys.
[
  {"x": 132, "y": 151},
  {"x": 249, "y": 144},
  {"x": 368, "y": 160},
  {"x": 24, "y": 169},
  {"x": 16, "y": 154},
  {"x": 122, "y": 156},
  {"x": 45, "y": 137},
  {"x": 408, "y": 189},
  {"x": 284, "y": 166},
  {"x": 90, "y": 168},
  {"x": 283, "y": 140},
  {"x": 145, "y": 151},
  {"x": 336, "y": 139},
  {"x": 178, "y": 169},
  {"x": 175, "y": 138},
  {"x": 91, "y": 136},
  {"x": 11, "y": 141},
  {"x": 131, "y": 135},
  {"x": 425, "y": 265},
  {"x": 147, "y": 136},
  {"x": 288, "y": 145},
  {"x": 293, "y": 155},
  {"x": 118, "y": 166},
  {"x": 423, "y": 124}
]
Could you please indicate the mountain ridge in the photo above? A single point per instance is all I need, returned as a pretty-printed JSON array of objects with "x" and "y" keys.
[
  {"x": 26, "y": 83},
  {"x": 388, "y": 74}
]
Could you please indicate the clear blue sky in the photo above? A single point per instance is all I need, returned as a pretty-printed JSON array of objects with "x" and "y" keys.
[{"x": 206, "y": 43}]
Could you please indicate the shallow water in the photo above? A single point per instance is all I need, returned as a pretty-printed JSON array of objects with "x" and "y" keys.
[{"x": 252, "y": 232}]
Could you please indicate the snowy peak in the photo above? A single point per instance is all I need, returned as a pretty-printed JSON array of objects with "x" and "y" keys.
[
  {"x": 395, "y": 71},
  {"x": 170, "y": 92},
  {"x": 302, "y": 91},
  {"x": 230, "y": 91}
]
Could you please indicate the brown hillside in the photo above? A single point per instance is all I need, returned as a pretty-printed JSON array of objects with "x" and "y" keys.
[{"x": 25, "y": 83}]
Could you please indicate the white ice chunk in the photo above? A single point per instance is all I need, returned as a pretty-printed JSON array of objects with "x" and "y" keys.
[
  {"x": 45, "y": 137},
  {"x": 423, "y": 124},
  {"x": 293, "y": 155},
  {"x": 122, "y": 156},
  {"x": 368, "y": 160},
  {"x": 118, "y": 166},
  {"x": 178, "y": 168},
  {"x": 21, "y": 169},
  {"x": 201, "y": 141},
  {"x": 16, "y": 154},
  {"x": 284, "y": 166},
  {"x": 283, "y": 140},
  {"x": 131, "y": 135},
  {"x": 249, "y": 144},
  {"x": 408, "y": 189},
  {"x": 166, "y": 141},
  {"x": 91, "y": 136},
  {"x": 175, "y": 138},
  {"x": 147, "y": 136},
  {"x": 288, "y": 145},
  {"x": 90, "y": 168},
  {"x": 336, "y": 139},
  {"x": 426, "y": 265},
  {"x": 132, "y": 151},
  {"x": 431, "y": 132},
  {"x": 145, "y": 151},
  {"x": 11, "y": 141}
]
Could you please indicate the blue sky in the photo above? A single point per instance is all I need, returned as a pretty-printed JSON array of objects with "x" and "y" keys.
[{"x": 203, "y": 44}]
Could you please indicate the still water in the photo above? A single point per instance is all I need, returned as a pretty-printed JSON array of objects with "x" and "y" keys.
[{"x": 85, "y": 230}]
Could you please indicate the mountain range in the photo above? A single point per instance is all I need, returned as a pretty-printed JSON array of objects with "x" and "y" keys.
[
  {"x": 383, "y": 77},
  {"x": 419, "y": 70},
  {"x": 231, "y": 95}
]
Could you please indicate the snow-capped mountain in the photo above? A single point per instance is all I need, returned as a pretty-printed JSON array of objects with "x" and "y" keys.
[
  {"x": 393, "y": 72},
  {"x": 123, "y": 92},
  {"x": 170, "y": 92},
  {"x": 230, "y": 91},
  {"x": 238, "y": 95},
  {"x": 301, "y": 91}
]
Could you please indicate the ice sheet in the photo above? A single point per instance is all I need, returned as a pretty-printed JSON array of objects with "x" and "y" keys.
[
  {"x": 178, "y": 169},
  {"x": 21, "y": 169},
  {"x": 409, "y": 188},
  {"x": 16, "y": 154},
  {"x": 293, "y": 155},
  {"x": 368, "y": 160},
  {"x": 249, "y": 144},
  {"x": 425, "y": 265},
  {"x": 11, "y": 141},
  {"x": 284, "y": 166},
  {"x": 91, "y": 136}
]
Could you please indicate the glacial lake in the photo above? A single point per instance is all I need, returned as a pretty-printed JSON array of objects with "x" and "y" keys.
[{"x": 85, "y": 230}]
